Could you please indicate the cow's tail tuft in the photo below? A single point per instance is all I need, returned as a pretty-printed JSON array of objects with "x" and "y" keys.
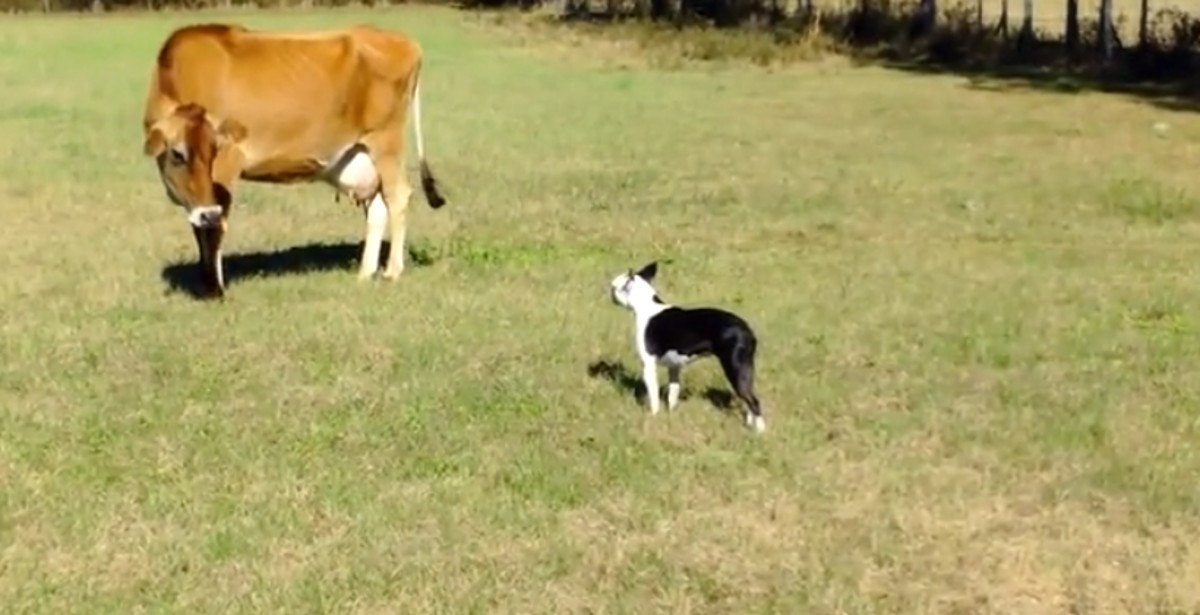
[{"x": 428, "y": 181}]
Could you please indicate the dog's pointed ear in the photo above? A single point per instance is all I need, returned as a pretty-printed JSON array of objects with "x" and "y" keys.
[{"x": 647, "y": 273}]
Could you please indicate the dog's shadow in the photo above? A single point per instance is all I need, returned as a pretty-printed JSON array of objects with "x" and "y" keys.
[{"x": 627, "y": 380}]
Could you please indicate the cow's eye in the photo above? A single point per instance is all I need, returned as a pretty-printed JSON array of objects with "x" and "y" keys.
[{"x": 178, "y": 155}]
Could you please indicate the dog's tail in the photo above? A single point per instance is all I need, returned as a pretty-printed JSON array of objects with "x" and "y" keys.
[{"x": 738, "y": 365}]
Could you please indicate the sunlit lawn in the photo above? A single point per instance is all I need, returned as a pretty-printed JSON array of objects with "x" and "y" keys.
[{"x": 976, "y": 310}]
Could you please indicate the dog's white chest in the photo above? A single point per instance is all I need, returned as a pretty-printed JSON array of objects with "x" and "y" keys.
[{"x": 675, "y": 359}]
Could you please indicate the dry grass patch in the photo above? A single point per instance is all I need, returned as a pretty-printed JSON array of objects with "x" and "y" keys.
[{"x": 637, "y": 44}]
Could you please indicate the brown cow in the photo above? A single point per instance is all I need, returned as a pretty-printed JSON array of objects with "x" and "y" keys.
[{"x": 229, "y": 103}]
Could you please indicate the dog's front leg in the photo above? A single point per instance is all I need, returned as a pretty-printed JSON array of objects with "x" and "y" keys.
[{"x": 650, "y": 379}]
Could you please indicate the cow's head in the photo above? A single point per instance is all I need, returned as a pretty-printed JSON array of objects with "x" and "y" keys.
[{"x": 198, "y": 159}]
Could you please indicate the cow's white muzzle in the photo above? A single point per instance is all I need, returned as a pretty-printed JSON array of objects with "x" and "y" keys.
[{"x": 205, "y": 217}]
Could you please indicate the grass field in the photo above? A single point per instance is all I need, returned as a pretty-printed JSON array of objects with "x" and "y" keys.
[{"x": 977, "y": 310}]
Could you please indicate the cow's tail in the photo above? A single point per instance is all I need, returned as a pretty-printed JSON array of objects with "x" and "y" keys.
[{"x": 428, "y": 182}]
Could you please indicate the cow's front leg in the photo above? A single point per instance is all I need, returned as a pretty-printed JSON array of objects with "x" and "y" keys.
[
  {"x": 202, "y": 259},
  {"x": 377, "y": 216},
  {"x": 211, "y": 262}
]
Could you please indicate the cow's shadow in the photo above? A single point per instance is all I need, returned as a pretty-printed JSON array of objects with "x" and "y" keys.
[
  {"x": 631, "y": 382},
  {"x": 184, "y": 276}
]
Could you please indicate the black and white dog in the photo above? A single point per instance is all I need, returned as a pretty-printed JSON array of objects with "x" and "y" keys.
[{"x": 677, "y": 336}]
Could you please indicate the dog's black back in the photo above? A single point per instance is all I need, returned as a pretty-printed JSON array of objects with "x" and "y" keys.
[{"x": 696, "y": 332}]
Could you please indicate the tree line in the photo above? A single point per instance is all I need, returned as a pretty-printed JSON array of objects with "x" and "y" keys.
[
  {"x": 1164, "y": 47},
  {"x": 100, "y": 6}
]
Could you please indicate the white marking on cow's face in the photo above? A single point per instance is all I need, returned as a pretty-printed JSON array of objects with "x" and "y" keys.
[{"x": 205, "y": 216}]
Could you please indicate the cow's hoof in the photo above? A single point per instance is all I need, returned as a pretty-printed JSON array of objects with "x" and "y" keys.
[
  {"x": 365, "y": 276},
  {"x": 392, "y": 276}
]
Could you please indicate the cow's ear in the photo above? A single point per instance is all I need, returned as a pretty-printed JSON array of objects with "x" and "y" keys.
[
  {"x": 647, "y": 273},
  {"x": 193, "y": 112},
  {"x": 232, "y": 130},
  {"x": 155, "y": 142}
]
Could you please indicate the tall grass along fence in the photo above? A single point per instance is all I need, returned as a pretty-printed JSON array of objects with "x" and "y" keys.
[
  {"x": 1121, "y": 40},
  {"x": 1127, "y": 39}
]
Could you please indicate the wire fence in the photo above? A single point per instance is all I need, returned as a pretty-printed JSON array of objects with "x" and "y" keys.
[{"x": 1047, "y": 17}]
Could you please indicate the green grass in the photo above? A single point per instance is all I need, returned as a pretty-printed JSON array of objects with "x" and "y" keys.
[{"x": 977, "y": 310}]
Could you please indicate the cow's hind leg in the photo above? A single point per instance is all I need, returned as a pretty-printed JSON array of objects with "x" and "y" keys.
[
  {"x": 356, "y": 174},
  {"x": 377, "y": 214},
  {"x": 397, "y": 193},
  {"x": 385, "y": 147}
]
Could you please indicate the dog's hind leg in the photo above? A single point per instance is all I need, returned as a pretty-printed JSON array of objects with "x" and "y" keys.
[
  {"x": 745, "y": 390},
  {"x": 738, "y": 365},
  {"x": 672, "y": 386}
]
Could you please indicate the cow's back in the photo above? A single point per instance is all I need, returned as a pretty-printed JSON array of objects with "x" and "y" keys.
[{"x": 300, "y": 88}]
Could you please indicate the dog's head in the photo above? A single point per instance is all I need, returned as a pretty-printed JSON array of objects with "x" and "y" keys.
[{"x": 633, "y": 287}]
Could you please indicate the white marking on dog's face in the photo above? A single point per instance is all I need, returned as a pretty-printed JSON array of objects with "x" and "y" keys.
[
  {"x": 631, "y": 291},
  {"x": 620, "y": 289}
]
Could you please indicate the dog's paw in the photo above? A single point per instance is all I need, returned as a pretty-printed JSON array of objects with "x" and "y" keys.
[{"x": 757, "y": 423}]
